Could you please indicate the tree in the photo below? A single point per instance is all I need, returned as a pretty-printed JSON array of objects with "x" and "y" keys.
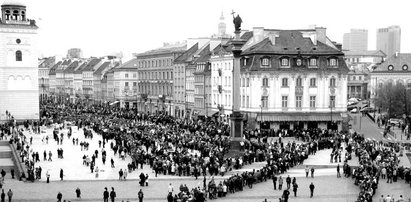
[{"x": 394, "y": 99}]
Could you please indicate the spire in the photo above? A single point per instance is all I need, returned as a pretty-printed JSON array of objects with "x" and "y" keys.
[
  {"x": 221, "y": 26},
  {"x": 222, "y": 16}
]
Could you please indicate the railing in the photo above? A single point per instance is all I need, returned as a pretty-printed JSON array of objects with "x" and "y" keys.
[{"x": 16, "y": 160}]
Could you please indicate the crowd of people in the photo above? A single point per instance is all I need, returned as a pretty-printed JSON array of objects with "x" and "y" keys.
[{"x": 180, "y": 147}]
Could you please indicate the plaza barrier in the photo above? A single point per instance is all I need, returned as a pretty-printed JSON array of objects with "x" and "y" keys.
[
  {"x": 371, "y": 117},
  {"x": 20, "y": 171}
]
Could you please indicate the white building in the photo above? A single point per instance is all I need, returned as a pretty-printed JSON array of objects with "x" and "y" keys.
[{"x": 19, "y": 89}]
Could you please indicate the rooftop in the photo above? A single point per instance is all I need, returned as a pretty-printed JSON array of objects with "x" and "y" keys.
[
  {"x": 400, "y": 62},
  {"x": 370, "y": 53}
]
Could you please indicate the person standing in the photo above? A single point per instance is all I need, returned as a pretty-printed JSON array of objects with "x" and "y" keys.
[
  {"x": 295, "y": 187},
  {"x": 311, "y": 190},
  {"x": 78, "y": 193},
  {"x": 288, "y": 181},
  {"x": 275, "y": 182},
  {"x": 338, "y": 171},
  {"x": 48, "y": 176},
  {"x": 171, "y": 189},
  {"x": 3, "y": 196},
  {"x": 312, "y": 171},
  {"x": 112, "y": 194},
  {"x": 280, "y": 183},
  {"x": 61, "y": 174},
  {"x": 307, "y": 170},
  {"x": 140, "y": 196},
  {"x": 105, "y": 195},
  {"x": 10, "y": 195},
  {"x": 59, "y": 197}
]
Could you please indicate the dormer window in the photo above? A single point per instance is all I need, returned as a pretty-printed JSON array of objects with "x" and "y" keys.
[
  {"x": 298, "y": 62},
  {"x": 333, "y": 62},
  {"x": 265, "y": 62},
  {"x": 313, "y": 62},
  {"x": 284, "y": 62}
]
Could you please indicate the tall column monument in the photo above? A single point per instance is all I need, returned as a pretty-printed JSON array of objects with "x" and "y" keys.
[{"x": 236, "y": 117}]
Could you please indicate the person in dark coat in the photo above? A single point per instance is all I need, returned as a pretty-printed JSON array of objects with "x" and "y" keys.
[
  {"x": 112, "y": 194},
  {"x": 295, "y": 188},
  {"x": 59, "y": 197},
  {"x": 61, "y": 174},
  {"x": 105, "y": 195},
  {"x": 312, "y": 189},
  {"x": 286, "y": 194},
  {"x": 140, "y": 196},
  {"x": 78, "y": 193}
]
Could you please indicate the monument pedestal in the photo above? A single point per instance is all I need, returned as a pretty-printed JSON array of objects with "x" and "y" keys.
[{"x": 236, "y": 133}]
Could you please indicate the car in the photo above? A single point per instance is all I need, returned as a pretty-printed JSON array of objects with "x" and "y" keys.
[
  {"x": 349, "y": 108},
  {"x": 355, "y": 110},
  {"x": 351, "y": 103},
  {"x": 368, "y": 109},
  {"x": 395, "y": 121}
]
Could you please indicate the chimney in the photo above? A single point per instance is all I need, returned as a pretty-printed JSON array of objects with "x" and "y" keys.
[
  {"x": 321, "y": 33},
  {"x": 258, "y": 33}
]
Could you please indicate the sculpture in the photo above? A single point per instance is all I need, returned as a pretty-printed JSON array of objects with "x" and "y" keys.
[{"x": 237, "y": 22}]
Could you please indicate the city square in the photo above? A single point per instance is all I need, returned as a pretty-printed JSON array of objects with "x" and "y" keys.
[{"x": 250, "y": 113}]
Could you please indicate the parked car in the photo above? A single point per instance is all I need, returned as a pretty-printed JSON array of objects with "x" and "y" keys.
[
  {"x": 395, "y": 121},
  {"x": 368, "y": 109},
  {"x": 355, "y": 110}
]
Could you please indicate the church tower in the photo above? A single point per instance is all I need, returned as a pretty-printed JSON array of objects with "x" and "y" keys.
[
  {"x": 221, "y": 26},
  {"x": 19, "y": 94}
]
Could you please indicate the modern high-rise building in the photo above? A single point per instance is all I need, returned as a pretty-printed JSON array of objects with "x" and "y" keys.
[
  {"x": 356, "y": 40},
  {"x": 389, "y": 40}
]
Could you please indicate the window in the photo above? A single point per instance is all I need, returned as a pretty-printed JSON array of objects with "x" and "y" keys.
[
  {"x": 299, "y": 62},
  {"x": 333, "y": 62},
  {"x": 312, "y": 101},
  {"x": 243, "y": 101},
  {"x": 298, "y": 100},
  {"x": 409, "y": 84},
  {"x": 265, "y": 62},
  {"x": 313, "y": 62},
  {"x": 264, "y": 101},
  {"x": 126, "y": 75},
  {"x": 332, "y": 101},
  {"x": 126, "y": 84},
  {"x": 284, "y": 101},
  {"x": 313, "y": 82},
  {"x": 332, "y": 82},
  {"x": 19, "y": 56},
  {"x": 134, "y": 75},
  {"x": 134, "y": 83},
  {"x": 265, "y": 82},
  {"x": 359, "y": 78},
  {"x": 284, "y": 62},
  {"x": 354, "y": 78},
  {"x": 284, "y": 82},
  {"x": 299, "y": 82},
  {"x": 248, "y": 101},
  {"x": 248, "y": 82}
]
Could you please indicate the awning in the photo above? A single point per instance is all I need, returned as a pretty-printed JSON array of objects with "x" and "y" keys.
[{"x": 277, "y": 117}]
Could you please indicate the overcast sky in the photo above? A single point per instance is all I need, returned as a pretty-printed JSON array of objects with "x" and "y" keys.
[{"x": 101, "y": 27}]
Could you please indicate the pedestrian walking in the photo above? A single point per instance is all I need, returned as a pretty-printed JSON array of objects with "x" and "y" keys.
[
  {"x": 78, "y": 193},
  {"x": 48, "y": 176},
  {"x": 3, "y": 196},
  {"x": 61, "y": 174},
  {"x": 140, "y": 196},
  {"x": 112, "y": 194},
  {"x": 312, "y": 187},
  {"x": 288, "y": 181},
  {"x": 307, "y": 170},
  {"x": 295, "y": 188},
  {"x": 10, "y": 195},
  {"x": 105, "y": 195},
  {"x": 286, "y": 194}
]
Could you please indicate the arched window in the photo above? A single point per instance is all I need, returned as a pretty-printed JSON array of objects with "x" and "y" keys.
[
  {"x": 265, "y": 82},
  {"x": 8, "y": 14},
  {"x": 16, "y": 15},
  {"x": 23, "y": 16},
  {"x": 299, "y": 82},
  {"x": 332, "y": 82},
  {"x": 19, "y": 56}
]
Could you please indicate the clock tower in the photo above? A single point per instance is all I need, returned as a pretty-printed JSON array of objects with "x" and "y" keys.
[{"x": 19, "y": 94}]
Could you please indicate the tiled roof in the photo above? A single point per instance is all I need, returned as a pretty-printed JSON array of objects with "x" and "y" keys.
[
  {"x": 370, "y": 53},
  {"x": 102, "y": 68},
  {"x": 90, "y": 65},
  {"x": 66, "y": 62},
  {"x": 71, "y": 67},
  {"x": 186, "y": 55},
  {"x": 290, "y": 42},
  {"x": 54, "y": 68},
  {"x": 131, "y": 64},
  {"x": 48, "y": 62},
  {"x": 397, "y": 63},
  {"x": 79, "y": 69},
  {"x": 205, "y": 54},
  {"x": 167, "y": 49}
]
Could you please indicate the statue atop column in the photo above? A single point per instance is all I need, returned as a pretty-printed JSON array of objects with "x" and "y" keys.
[{"x": 237, "y": 22}]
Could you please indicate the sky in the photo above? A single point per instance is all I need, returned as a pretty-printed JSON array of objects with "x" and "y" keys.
[{"x": 102, "y": 27}]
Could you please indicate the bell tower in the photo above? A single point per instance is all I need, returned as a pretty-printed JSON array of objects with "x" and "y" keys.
[
  {"x": 221, "y": 26},
  {"x": 18, "y": 63}
]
